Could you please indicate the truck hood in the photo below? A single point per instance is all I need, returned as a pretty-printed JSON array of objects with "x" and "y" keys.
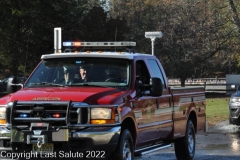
[{"x": 90, "y": 95}]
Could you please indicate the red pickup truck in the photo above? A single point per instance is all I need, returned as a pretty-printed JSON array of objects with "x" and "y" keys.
[{"x": 123, "y": 108}]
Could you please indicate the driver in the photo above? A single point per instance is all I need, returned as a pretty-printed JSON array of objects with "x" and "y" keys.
[{"x": 69, "y": 74}]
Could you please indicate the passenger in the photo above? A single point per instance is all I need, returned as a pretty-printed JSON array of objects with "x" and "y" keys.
[{"x": 85, "y": 73}]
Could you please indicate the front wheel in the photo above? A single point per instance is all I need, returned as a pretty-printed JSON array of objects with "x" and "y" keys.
[
  {"x": 185, "y": 147},
  {"x": 125, "y": 147}
]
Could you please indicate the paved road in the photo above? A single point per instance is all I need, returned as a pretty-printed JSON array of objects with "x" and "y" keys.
[{"x": 221, "y": 142}]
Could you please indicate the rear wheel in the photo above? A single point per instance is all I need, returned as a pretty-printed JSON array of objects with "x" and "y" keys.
[
  {"x": 125, "y": 147},
  {"x": 185, "y": 147}
]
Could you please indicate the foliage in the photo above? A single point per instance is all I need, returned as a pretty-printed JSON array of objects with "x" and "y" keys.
[
  {"x": 200, "y": 37},
  {"x": 27, "y": 27}
]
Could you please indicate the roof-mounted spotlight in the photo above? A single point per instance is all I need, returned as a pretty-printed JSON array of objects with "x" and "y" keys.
[
  {"x": 153, "y": 36},
  {"x": 57, "y": 39}
]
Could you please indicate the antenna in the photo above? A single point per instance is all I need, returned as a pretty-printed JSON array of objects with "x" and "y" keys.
[{"x": 153, "y": 36}]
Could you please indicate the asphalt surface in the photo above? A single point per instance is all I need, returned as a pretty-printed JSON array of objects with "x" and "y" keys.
[{"x": 221, "y": 142}]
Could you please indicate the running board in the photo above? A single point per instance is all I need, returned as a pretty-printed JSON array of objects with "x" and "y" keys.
[
  {"x": 149, "y": 149},
  {"x": 5, "y": 149}
]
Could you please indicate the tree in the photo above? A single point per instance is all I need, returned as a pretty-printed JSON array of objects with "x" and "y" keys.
[
  {"x": 234, "y": 14},
  {"x": 199, "y": 37},
  {"x": 234, "y": 55},
  {"x": 194, "y": 36},
  {"x": 27, "y": 28},
  {"x": 194, "y": 33}
]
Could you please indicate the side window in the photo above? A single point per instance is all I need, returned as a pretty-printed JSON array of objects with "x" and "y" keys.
[
  {"x": 142, "y": 72},
  {"x": 156, "y": 70}
]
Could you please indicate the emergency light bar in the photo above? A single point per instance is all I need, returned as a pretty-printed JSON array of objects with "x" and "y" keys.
[{"x": 99, "y": 44}]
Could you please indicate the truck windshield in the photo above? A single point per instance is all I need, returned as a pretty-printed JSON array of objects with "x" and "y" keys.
[{"x": 81, "y": 72}]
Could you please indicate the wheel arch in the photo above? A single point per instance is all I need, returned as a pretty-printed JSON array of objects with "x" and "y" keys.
[
  {"x": 128, "y": 123},
  {"x": 193, "y": 118}
]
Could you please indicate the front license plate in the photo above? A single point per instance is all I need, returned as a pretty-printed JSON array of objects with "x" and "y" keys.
[{"x": 46, "y": 148}]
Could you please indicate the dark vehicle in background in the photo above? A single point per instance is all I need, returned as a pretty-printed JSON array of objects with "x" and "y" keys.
[
  {"x": 234, "y": 106},
  {"x": 3, "y": 83}
]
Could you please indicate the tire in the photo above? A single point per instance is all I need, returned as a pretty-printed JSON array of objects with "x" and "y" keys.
[
  {"x": 185, "y": 147},
  {"x": 125, "y": 149}
]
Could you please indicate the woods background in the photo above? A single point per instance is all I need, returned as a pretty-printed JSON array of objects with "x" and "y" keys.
[{"x": 200, "y": 37}]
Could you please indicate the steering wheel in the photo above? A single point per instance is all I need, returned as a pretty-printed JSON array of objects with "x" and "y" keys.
[{"x": 112, "y": 80}]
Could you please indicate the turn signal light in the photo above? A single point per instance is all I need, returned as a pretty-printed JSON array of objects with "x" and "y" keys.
[
  {"x": 102, "y": 121},
  {"x": 76, "y": 43},
  {"x": 3, "y": 121}
]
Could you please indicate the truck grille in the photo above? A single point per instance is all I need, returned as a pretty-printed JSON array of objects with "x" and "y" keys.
[{"x": 23, "y": 113}]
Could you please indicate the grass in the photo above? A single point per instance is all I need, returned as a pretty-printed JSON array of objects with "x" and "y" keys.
[{"x": 216, "y": 110}]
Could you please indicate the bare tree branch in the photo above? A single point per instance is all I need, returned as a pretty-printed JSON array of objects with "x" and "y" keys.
[{"x": 234, "y": 14}]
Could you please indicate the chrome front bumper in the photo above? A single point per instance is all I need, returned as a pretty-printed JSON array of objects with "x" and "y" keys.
[
  {"x": 101, "y": 136},
  {"x": 4, "y": 136},
  {"x": 234, "y": 110},
  {"x": 98, "y": 136}
]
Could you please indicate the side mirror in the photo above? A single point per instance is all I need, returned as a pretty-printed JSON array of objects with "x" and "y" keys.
[
  {"x": 157, "y": 86},
  {"x": 12, "y": 86},
  {"x": 138, "y": 87}
]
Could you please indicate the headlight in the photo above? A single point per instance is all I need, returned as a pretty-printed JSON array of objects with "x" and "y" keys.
[
  {"x": 2, "y": 115},
  {"x": 101, "y": 113},
  {"x": 102, "y": 116},
  {"x": 235, "y": 99}
]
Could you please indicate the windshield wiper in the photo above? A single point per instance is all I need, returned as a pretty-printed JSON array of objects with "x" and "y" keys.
[{"x": 46, "y": 84}]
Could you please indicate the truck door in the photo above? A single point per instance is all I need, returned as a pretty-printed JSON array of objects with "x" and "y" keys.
[
  {"x": 144, "y": 108},
  {"x": 162, "y": 115}
]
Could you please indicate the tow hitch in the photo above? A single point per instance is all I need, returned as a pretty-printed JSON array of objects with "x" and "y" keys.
[{"x": 39, "y": 139}]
